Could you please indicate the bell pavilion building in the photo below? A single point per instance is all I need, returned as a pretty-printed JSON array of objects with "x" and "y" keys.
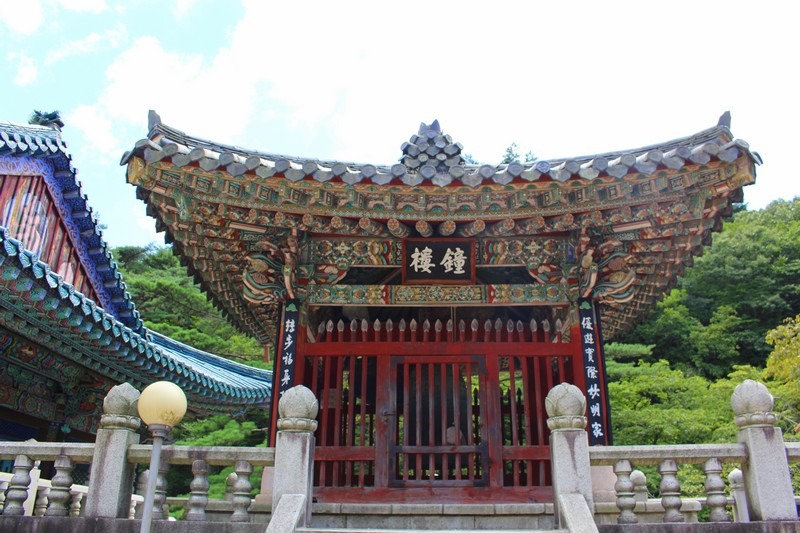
[{"x": 431, "y": 304}]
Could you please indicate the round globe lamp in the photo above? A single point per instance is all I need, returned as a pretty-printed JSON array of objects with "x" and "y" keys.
[{"x": 161, "y": 406}]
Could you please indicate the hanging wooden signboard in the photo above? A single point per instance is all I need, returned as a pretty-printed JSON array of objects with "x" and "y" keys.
[{"x": 439, "y": 261}]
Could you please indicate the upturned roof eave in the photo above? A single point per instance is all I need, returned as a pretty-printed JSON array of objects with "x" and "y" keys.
[
  {"x": 109, "y": 347},
  {"x": 43, "y": 142}
]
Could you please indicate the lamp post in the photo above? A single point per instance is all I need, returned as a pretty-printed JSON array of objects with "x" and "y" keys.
[{"x": 161, "y": 406}]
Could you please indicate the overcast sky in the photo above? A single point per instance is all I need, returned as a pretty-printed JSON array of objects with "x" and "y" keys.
[{"x": 353, "y": 80}]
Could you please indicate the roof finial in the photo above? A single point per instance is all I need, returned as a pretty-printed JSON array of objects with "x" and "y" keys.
[
  {"x": 51, "y": 119},
  {"x": 431, "y": 130},
  {"x": 725, "y": 120},
  {"x": 153, "y": 120}
]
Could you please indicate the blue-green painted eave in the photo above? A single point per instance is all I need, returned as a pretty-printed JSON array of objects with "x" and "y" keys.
[{"x": 36, "y": 302}]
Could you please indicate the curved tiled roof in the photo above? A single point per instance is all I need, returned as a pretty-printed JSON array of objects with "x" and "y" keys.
[
  {"x": 430, "y": 158},
  {"x": 36, "y": 302},
  {"x": 45, "y": 143},
  {"x": 644, "y": 212}
]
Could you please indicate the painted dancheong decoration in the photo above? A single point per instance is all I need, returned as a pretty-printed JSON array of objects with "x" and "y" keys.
[{"x": 438, "y": 301}]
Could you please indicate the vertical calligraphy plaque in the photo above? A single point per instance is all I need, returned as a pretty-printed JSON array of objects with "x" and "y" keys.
[
  {"x": 594, "y": 372},
  {"x": 599, "y": 325},
  {"x": 286, "y": 351}
]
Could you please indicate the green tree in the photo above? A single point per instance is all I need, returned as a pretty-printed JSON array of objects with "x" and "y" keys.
[
  {"x": 171, "y": 304},
  {"x": 652, "y": 403},
  {"x": 737, "y": 291},
  {"x": 783, "y": 366},
  {"x": 752, "y": 267},
  {"x": 512, "y": 155}
]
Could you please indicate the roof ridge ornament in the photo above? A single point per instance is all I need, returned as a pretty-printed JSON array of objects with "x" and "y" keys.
[
  {"x": 153, "y": 120},
  {"x": 725, "y": 120},
  {"x": 51, "y": 119},
  {"x": 431, "y": 130},
  {"x": 430, "y": 154}
]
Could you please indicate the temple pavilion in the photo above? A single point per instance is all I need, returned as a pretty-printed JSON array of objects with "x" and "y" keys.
[
  {"x": 430, "y": 304},
  {"x": 69, "y": 330}
]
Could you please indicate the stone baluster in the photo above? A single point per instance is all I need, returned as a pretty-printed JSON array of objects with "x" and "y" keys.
[
  {"x": 624, "y": 487},
  {"x": 767, "y": 482},
  {"x": 241, "y": 491},
  {"x": 715, "y": 491},
  {"x": 40, "y": 505},
  {"x": 198, "y": 500},
  {"x": 741, "y": 513},
  {"x": 60, "y": 486},
  {"x": 569, "y": 444},
  {"x": 141, "y": 489},
  {"x": 17, "y": 491},
  {"x": 75, "y": 504},
  {"x": 670, "y": 489},
  {"x": 294, "y": 452},
  {"x": 160, "y": 497},
  {"x": 111, "y": 476},
  {"x": 640, "y": 493},
  {"x": 230, "y": 481},
  {"x": 3, "y": 487}
]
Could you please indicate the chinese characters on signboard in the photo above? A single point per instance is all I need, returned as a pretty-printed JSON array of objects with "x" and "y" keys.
[
  {"x": 439, "y": 261},
  {"x": 287, "y": 348},
  {"x": 594, "y": 370}
]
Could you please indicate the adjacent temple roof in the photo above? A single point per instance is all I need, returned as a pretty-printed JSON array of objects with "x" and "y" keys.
[
  {"x": 108, "y": 336},
  {"x": 632, "y": 219},
  {"x": 24, "y": 145}
]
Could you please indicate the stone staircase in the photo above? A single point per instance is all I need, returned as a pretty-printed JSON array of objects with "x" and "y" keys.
[{"x": 431, "y": 518}]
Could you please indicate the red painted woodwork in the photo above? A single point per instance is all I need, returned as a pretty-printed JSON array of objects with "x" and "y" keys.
[
  {"x": 29, "y": 213},
  {"x": 408, "y": 413}
]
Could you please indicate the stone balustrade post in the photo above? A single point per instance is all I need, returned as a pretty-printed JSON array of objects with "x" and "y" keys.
[
  {"x": 294, "y": 448},
  {"x": 767, "y": 481},
  {"x": 111, "y": 476},
  {"x": 740, "y": 511},
  {"x": 569, "y": 443}
]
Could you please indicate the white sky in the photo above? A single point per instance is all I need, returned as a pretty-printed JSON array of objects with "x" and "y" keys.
[{"x": 353, "y": 80}]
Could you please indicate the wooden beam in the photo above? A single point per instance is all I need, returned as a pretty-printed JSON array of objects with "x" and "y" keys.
[
  {"x": 471, "y": 229},
  {"x": 397, "y": 228}
]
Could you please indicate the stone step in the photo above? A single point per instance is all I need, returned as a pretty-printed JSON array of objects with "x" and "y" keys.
[
  {"x": 384, "y": 518},
  {"x": 367, "y": 530}
]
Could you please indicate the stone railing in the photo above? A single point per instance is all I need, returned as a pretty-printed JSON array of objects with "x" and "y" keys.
[
  {"x": 23, "y": 488},
  {"x": 633, "y": 506},
  {"x": 760, "y": 490},
  {"x": 116, "y": 452},
  {"x": 37, "y": 495}
]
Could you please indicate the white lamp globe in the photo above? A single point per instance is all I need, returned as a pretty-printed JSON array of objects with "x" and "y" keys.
[{"x": 162, "y": 403}]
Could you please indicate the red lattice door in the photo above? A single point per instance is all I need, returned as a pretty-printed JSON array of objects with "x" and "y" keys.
[{"x": 437, "y": 422}]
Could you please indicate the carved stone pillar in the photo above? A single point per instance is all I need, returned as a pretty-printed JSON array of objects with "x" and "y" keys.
[
  {"x": 111, "y": 477},
  {"x": 569, "y": 443},
  {"x": 294, "y": 448},
  {"x": 767, "y": 482}
]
